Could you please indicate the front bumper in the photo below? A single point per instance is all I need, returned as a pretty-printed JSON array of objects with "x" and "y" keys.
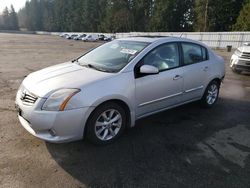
[
  {"x": 62, "y": 127},
  {"x": 240, "y": 64},
  {"x": 241, "y": 67},
  {"x": 52, "y": 126}
]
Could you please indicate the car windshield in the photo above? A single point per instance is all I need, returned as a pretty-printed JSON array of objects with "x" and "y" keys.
[{"x": 112, "y": 56}]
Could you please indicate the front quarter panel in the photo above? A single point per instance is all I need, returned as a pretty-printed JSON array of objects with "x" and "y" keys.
[{"x": 119, "y": 87}]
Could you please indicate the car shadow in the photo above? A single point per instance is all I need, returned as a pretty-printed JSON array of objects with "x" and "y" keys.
[{"x": 161, "y": 151}]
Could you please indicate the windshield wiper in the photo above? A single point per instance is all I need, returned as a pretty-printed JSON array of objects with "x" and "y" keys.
[
  {"x": 95, "y": 67},
  {"x": 74, "y": 60}
]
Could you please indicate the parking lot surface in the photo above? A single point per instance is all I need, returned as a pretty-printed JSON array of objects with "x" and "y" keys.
[{"x": 184, "y": 147}]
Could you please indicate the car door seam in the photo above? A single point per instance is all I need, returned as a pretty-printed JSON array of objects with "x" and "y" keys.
[
  {"x": 193, "y": 89},
  {"x": 160, "y": 99}
]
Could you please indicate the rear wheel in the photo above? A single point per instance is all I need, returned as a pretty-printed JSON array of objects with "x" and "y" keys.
[
  {"x": 106, "y": 123},
  {"x": 211, "y": 94}
]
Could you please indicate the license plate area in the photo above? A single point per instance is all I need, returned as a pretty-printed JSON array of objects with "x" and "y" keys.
[{"x": 19, "y": 111}]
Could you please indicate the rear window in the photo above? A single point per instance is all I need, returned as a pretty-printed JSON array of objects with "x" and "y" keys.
[{"x": 194, "y": 53}]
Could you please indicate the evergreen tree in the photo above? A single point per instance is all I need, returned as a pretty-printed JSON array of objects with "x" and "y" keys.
[
  {"x": 6, "y": 18},
  {"x": 216, "y": 15},
  {"x": 128, "y": 15},
  {"x": 13, "y": 20},
  {"x": 118, "y": 17},
  {"x": 243, "y": 21},
  {"x": 48, "y": 16},
  {"x": 142, "y": 12},
  {"x": 172, "y": 15}
]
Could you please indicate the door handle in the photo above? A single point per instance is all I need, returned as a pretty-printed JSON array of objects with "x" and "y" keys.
[
  {"x": 177, "y": 77},
  {"x": 205, "y": 69}
]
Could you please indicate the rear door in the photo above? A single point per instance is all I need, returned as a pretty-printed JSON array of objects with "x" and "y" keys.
[{"x": 196, "y": 68}]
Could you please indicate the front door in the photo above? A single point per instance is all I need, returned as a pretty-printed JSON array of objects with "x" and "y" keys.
[{"x": 159, "y": 91}]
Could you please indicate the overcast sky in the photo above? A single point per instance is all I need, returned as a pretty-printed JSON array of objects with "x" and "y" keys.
[{"x": 16, "y": 3}]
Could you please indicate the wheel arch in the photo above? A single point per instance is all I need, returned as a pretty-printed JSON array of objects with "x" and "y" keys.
[
  {"x": 217, "y": 79},
  {"x": 124, "y": 105},
  {"x": 129, "y": 113}
]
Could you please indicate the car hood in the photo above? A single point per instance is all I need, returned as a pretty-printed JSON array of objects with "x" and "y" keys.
[
  {"x": 244, "y": 49},
  {"x": 67, "y": 75}
]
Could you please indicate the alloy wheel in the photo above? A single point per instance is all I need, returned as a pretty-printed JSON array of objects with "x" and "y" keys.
[
  {"x": 108, "y": 124},
  {"x": 212, "y": 94}
]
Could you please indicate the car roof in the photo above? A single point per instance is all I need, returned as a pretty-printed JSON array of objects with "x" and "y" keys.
[
  {"x": 152, "y": 39},
  {"x": 142, "y": 39}
]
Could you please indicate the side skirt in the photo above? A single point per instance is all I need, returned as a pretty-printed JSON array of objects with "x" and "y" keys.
[{"x": 167, "y": 108}]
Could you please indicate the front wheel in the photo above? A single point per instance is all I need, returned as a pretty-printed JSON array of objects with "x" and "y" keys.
[
  {"x": 106, "y": 124},
  {"x": 211, "y": 94},
  {"x": 236, "y": 71}
]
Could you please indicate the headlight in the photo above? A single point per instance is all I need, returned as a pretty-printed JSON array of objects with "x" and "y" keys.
[
  {"x": 58, "y": 100},
  {"x": 238, "y": 53}
]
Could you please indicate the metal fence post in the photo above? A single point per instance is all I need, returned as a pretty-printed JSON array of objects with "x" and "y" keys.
[
  {"x": 219, "y": 40},
  {"x": 201, "y": 37},
  {"x": 242, "y": 37}
]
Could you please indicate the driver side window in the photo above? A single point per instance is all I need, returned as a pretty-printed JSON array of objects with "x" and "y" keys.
[{"x": 163, "y": 57}]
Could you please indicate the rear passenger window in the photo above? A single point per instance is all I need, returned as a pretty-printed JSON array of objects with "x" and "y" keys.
[{"x": 193, "y": 53}]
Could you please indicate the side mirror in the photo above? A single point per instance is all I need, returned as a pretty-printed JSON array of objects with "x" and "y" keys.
[{"x": 148, "y": 69}]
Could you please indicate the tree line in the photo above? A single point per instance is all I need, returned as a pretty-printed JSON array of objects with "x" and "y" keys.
[
  {"x": 8, "y": 19},
  {"x": 132, "y": 15}
]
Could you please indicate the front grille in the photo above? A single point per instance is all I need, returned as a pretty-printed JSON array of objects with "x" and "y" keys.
[
  {"x": 245, "y": 55},
  {"x": 27, "y": 97},
  {"x": 241, "y": 67},
  {"x": 244, "y": 63}
]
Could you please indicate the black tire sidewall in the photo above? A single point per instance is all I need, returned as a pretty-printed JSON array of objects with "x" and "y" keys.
[{"x": 90, "y": 126}]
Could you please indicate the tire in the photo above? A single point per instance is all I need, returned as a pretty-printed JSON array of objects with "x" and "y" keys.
[
  {"x": 211, "y": 94},
  {"x": 104, "y": 129},
  {"x": 236, "y": 71}
]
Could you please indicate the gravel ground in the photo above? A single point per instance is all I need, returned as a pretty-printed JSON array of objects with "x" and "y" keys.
[{"x": 184, "y": 147}]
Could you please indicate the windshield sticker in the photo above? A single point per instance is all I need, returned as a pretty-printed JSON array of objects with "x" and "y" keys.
[{"x": 128, "y": 51}]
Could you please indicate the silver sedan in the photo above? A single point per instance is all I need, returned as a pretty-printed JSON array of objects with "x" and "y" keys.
[{"x": 107, "y": 89}]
